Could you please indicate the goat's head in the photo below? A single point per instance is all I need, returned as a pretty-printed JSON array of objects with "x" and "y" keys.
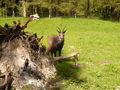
[{"x": 61, "y": 32}]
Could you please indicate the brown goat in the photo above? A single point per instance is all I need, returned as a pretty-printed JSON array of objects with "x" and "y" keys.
[{"x": 56, "y": 42}]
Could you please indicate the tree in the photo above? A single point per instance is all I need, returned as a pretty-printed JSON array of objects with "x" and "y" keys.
[
  {"x": 49, "y": 4},
  {"x": 106, "y": 9}
]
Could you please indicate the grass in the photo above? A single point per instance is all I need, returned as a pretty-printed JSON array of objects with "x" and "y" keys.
[{"x": 97, "y": 41}]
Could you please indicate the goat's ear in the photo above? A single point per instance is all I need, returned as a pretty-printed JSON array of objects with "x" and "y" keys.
[{"x": 64, "y": 31}]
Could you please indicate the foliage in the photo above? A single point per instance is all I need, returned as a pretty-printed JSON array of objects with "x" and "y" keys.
[{"x": 106, "y": 9}]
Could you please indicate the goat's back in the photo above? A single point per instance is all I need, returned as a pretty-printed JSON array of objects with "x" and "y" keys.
[{"x": 53, "y": 40}]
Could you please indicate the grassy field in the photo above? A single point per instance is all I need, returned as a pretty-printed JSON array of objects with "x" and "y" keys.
[{"x": 97, "y": 41}]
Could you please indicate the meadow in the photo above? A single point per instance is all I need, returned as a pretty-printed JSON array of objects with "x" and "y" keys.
[{"x": 98, "y": 42}]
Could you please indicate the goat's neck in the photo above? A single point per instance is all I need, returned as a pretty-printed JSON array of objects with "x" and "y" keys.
[{"x": 61, "y": 39}]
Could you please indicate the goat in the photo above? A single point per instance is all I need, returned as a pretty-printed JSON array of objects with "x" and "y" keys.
[{"x": 56, "y": 42}]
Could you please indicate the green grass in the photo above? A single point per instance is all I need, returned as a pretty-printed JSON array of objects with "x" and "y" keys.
[{"x": 97, "y": 41}]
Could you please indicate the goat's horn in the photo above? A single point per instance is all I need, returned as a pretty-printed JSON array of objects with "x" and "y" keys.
[
  {"x": 59, "y": 29},
  {"x": 64, "y": 28}
]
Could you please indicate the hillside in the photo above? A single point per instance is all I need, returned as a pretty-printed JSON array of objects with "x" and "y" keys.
[{"x": 97, "y": 41}]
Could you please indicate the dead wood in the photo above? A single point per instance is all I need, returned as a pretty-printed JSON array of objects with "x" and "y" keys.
[
  {"x": 26, "y": 23},
  {"x": 74, "y": 55},
  {"x": 7, "y": 81},
  {"x": 66, "y": 56},
  {"x": 16, "y": 29},
  {"x": 3, "y": 30}
]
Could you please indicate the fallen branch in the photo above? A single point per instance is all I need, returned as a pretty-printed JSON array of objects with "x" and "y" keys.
[
  {"x": 74, "y": 55},
  {"x": 66, "y": 56},
  {"x": 26, "y": 23}
]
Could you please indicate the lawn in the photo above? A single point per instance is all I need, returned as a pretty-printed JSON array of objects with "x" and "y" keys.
[{"x": 98, "y": 42}]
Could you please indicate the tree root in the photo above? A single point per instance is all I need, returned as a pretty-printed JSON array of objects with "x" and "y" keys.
[{"x": 7, "y": 82}]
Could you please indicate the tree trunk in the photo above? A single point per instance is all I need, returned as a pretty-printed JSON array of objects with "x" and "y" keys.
[
  {"x": 35, "y": 9},
  {"x": 24, "y": 9},
  {"x": 0, "y": 12},
  {"x": 64, "y": 14},
  {"x": 88, "y": 7},
  {"x": 56, "y": 12},
  {"x": 75, "y": 15},
  {"x": 50, "y": 12},
  {"x": 56, "y": 8},
  {"x": 42, "y": 13},
  {"x": 3, "y": 12},
  {"x": 13, "y": 12},
  {"x": 6, "y": 12}
]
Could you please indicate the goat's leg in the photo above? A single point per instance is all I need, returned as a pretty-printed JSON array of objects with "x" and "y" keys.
[
  {"x": 55, "y": 53},
  {"x": 59, "y": 52},
  {"x": 52, "y": 54},
  {"x": 48, "y": 52}
]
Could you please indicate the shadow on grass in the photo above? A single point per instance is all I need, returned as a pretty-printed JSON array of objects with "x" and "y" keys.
[{"x": 69, "y": 72}]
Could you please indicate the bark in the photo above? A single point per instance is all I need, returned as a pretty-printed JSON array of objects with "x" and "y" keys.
[
  {"x": 24, "y": 8},
  {"x": 42, "y": 13},
  {"x": 36, "y": 9},
  {"x": 75, "y": 15},
  {"x": 6, "y": 12},
  {"x": 2, "y": 12},
  {"x": 13, "y": 12},
  {"x": 88, "y": 7},
  {"x": 33, "y": 9},
  {"x": 66, "y": 56},
  {"x": 57, "y": 14},
  {"x": 50, "y": 12}
]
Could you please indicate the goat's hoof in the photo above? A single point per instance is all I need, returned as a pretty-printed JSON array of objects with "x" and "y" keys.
[{"x": 76, "y": 65}]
